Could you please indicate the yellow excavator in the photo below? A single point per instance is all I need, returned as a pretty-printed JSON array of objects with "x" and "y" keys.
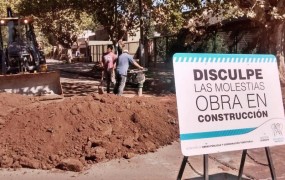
[{"x": 23, "y": 67}]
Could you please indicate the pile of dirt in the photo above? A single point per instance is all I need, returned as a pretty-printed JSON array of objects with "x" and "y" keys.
[{"x": 74, "y": 132}]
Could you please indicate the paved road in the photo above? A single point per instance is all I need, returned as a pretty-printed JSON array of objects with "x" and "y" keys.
[
  {"x": 78, "y": 79},
  {"x": 163, "y": 165}
]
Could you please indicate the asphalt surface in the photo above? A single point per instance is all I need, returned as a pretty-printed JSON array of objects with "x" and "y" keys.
[{"x": 163, "y": 164}]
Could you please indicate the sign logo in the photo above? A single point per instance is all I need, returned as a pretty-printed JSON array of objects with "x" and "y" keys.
[{"x": 277, "y": 129}]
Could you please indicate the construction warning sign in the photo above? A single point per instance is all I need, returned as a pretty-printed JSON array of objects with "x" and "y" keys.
[{"x": 228, "y": 102}]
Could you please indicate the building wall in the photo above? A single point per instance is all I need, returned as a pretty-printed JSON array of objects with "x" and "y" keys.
[{"x": 102, "y": 35}]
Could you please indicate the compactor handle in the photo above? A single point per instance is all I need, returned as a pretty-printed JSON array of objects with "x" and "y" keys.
[{"x": 138, "y": 70}]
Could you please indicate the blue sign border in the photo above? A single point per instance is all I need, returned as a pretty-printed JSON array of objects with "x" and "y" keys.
[{"x": 223, "y": 58}]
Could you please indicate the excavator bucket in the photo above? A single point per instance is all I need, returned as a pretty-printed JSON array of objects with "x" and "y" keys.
[{"x": 47, "y": 83}]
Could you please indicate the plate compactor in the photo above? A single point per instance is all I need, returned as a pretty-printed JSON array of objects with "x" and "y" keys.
[{"x": 23, "y": 66}]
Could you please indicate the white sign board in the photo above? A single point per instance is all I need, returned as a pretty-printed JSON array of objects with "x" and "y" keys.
[{"x": 228, "y": 102}]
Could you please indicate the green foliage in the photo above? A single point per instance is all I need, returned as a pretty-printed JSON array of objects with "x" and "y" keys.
[
  {"x": 62, "y": 21},
  {"x": 117, "y": 17},
  {"x": 4, "y": 4},
  {"x": 212, "y": 43},
  {"x": 175, "y": 45},
  {"x": 168, "y": 16},
  {"x": 161, "y": 47},
  {"x": 166, "y": 47},
  {"x": 264, "y": 12}
]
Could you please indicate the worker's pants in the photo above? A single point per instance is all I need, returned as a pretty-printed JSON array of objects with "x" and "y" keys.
[
  {"x": 120, "y": 84},
  {"x": 109, "y": 78}
]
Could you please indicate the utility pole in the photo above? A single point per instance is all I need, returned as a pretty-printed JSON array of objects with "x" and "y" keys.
[
  {"x": 141, "y": 20},
  {"x": 116, "y": 27},
  {"x": 2, "y": 54},
  {"x": 141, "y": 42}
]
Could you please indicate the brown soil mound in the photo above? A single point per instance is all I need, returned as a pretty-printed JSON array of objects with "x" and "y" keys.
[{"x": 74, "y": 132}]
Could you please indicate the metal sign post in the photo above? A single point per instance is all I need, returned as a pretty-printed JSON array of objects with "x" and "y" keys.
[
  {"x": 269, "y": 159},
  {"x": 205, "y": 165}
]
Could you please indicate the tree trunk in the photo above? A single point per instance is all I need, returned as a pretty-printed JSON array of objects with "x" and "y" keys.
[{"x": 276, "y": 47}]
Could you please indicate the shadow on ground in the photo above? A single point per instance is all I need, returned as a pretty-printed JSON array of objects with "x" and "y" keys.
[
  {"x": 82, "y": 79},
  {"x": 157, "y": 83},
  {"x": 220, "y": 176},
  {"x": 79, "y": 89}
]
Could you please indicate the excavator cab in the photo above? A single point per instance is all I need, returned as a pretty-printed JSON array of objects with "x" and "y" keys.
[
  {"x": 20, "y": 50},
  {"x": 23, "y": 64}
]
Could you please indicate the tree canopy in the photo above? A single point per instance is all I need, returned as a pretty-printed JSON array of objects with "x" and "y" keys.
[
  {"x": 268, "y": 15},
  {"x": 5, "y": 4},
  {"x": 118, "y": 17},
  {"x": 61, "y": 20},
  {"x": 58, "y": 20}
]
